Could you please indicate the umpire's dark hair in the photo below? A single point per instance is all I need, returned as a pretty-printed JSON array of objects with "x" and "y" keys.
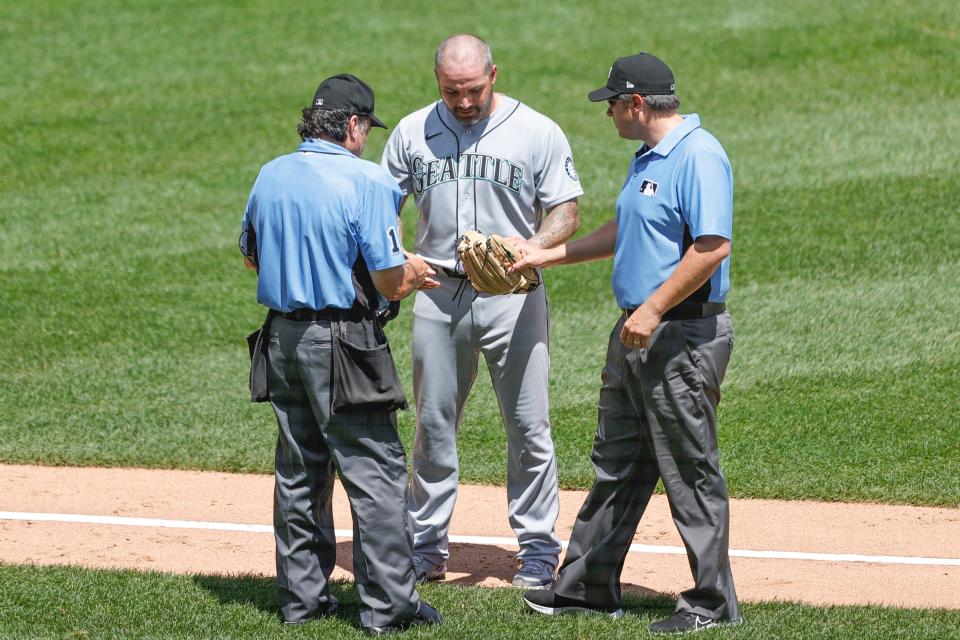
[
  {"x": 666, "y": 103},
  {"x": 669, "y": 102},
  {"x": 325, "y": 123}
]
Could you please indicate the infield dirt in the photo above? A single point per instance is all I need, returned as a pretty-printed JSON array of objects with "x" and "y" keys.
[{"x": 759, "y": 525}]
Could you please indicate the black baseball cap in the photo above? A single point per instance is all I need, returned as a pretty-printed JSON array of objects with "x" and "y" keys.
[
  {"x": 346, "y": 91},
  {"x": 643, "y": 73}
]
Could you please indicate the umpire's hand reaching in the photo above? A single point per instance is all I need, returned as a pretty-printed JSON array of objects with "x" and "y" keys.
[{"x": 533, "y": 256}]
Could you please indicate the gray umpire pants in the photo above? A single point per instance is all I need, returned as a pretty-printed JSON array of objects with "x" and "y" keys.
[
  {"x": 365, "y": 451},
  {"x": 449, "y": 334},
  {"x": 657, "y": 419}
]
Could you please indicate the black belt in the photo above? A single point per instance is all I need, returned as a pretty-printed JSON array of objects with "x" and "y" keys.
[
  {"x": 312, "y": 315},
  {"x": 689, "y": 310},
  {"x": 450, "y": 273}
]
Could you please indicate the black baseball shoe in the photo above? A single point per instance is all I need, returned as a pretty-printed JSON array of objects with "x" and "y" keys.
[
  {"x": 425, "y": 615},
  {"x": 687, "y": 621},
  {"x": 426, "y": 569},
  {"x": 547, "y": 602}
]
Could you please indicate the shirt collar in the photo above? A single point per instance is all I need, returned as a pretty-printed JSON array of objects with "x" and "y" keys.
[
  {"x": 312, "y": 145},
  {"x": 506, "y": 107},
  {"x": 673, "y": 138}
]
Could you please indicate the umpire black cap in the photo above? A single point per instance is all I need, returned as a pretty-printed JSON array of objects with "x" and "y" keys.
[
  {"x": 643, "y": 73},
  {"x": 346, "y": 91}
]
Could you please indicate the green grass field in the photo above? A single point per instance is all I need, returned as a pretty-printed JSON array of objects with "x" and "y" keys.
[
  {"x": 132, "y": 131},
  {"x": 66, "y": 602}
]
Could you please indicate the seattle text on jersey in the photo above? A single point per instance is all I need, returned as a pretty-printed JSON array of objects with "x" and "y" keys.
[{"x": 429, "y": 173}]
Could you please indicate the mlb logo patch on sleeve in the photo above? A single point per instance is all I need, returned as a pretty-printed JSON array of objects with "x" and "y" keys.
[{"x": 649, "y": 188}]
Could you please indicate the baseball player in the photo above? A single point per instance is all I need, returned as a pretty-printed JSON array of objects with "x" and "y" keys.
[{"x": 477, "y": 159}]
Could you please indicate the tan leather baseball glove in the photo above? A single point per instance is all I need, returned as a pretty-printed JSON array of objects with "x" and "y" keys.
[{"x": 485, "y": 260}]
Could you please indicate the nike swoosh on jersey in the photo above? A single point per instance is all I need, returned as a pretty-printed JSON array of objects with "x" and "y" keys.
[{"x": 431, "y": 136}]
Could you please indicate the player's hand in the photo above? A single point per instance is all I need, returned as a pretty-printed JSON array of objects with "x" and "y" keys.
[{"x": 639, "y": 327}]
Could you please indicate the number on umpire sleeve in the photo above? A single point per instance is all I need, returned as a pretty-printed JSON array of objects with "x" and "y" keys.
[{"x": 394, "y": 242}]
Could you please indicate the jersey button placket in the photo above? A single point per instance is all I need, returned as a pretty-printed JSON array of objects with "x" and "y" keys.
[{"x": 467, "y": 211}]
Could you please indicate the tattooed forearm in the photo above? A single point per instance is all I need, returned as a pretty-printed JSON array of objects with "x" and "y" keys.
[{"x": 561, "y": 223}]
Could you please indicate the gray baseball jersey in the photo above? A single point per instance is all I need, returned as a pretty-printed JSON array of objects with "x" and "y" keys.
[{"x": 497, "y": 176}]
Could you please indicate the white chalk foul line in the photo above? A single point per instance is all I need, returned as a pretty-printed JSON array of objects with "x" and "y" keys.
[
  {"x": 140, "y": 522},
  {"x": 482, "y": 540}
]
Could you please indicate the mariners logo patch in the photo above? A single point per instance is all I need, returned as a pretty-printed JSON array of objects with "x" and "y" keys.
[
  {"x": 649, "y": 188},
  {"x": 571, "y": 170}
]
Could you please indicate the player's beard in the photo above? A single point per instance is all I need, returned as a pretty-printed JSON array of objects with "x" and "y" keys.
[{"x": 483, "y": 112}]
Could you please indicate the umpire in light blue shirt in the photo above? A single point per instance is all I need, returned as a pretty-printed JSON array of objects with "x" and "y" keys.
[
  {"x": 320, "y": 228},
  {"x": 666, "y": 356}
]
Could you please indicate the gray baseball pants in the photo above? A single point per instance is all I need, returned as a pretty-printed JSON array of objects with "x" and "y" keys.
[
  {"x": 365, "y": 451},
  {"x": 657, "y": 419},
  {"x": 450, "y": 333}
]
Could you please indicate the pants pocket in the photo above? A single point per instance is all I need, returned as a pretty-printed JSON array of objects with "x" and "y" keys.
[{"x": 365, "y": 379}]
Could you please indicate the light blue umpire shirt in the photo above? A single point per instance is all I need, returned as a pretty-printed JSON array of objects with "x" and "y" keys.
[
  {"x": 314, "y": 211},
  {"x": 674, "y": 193}
]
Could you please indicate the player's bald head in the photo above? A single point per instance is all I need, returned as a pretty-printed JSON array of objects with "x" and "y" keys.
[{"x": 463, "y": 50}]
